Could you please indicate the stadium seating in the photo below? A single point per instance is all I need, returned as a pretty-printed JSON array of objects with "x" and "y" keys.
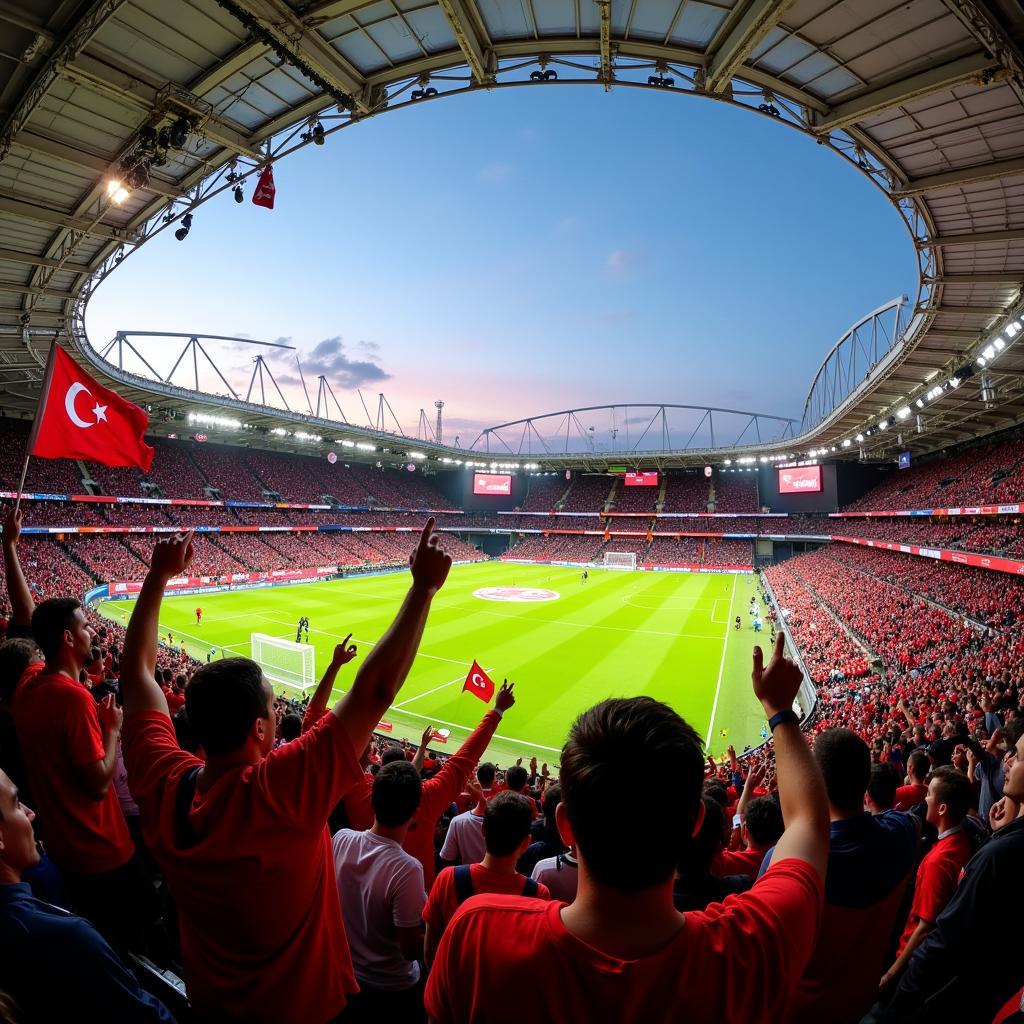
[
  {"x": 735, "y": 492},
  {"x": 687, "y": 492},
  {"x": 589, "y": 493},
  {"x": 544, "y": 493}
]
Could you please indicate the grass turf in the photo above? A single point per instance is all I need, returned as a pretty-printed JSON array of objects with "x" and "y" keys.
[{"x": 668, "y": 635}]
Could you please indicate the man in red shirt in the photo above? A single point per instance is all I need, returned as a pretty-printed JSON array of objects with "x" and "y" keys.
[
  {"x": 915, "y": 790},
  {"x": 69, "y": 744},
  {"x": 199, "y": 616},
  {"x": 242, "y": 839},
  {"x": 507, "y": 823},
  {"x": 621, "y": 951},
  {"x": 950, "y": 794},
  {"x": 438, "y": 792}
]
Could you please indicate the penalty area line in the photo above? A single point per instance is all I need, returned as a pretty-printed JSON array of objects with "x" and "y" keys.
[{"x": 426, "y": 693}]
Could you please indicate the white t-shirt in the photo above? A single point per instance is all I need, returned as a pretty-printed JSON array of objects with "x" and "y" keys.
[
  {"x": 465, "y": 839},
  {"x": 560, "y": 878},
  {"x": 381, "y": 889}
]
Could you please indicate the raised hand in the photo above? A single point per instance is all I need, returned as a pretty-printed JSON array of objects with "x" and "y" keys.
[
  {"x": 109, "y": 714},
  {"x": 172, "y": 556},
  {"x": 776, "y": 684},
  {"x": 428, "y": 735},
  {"x": 12, "y": 528},
  {"x": 505, "y": 698},
  {"x": 429, "y": 562},
  {"x": 343, "y": 652}
]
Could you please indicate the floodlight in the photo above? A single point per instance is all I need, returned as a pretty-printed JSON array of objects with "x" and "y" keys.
[
  {"x": 903, "y": 413},
  {"x": 116, "y": 192},
  {"x": 883, "y": 424},
  {"x": 846, "y": 442},
  {"x": 186, "y": 225},
  {"x": 238, "y": 193},
  {"x": 318, "y": 134}
]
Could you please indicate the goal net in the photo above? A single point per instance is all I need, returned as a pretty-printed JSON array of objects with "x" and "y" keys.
[
  {"x": 620, "y": 559},
  {"x": 283, "y": 661}
]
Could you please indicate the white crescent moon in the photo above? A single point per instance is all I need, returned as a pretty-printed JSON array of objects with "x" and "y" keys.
[{"x": 69, "y": 404}]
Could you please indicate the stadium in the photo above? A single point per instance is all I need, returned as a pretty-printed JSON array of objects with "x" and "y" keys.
[{"x": 193, "y": 555}]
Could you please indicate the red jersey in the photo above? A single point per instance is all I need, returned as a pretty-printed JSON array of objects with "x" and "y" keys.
[
  {"x": 60, "y": 733},
  {"x": 199, "y": 613},
  {"x": 908, "y": 796},
  {"x": 262, "y": 937},
  {"x": 443, "y": 900},
  {"x": 937, "y": 875},
  {"x": 735, "y": 961},
  {"x": 438, "y": 793}
]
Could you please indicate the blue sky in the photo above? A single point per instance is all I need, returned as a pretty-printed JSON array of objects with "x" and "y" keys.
[{"x": 534, "y": 249}]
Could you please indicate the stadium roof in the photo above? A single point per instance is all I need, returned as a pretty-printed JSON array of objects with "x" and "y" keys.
[{"x": 172, "y": 100}]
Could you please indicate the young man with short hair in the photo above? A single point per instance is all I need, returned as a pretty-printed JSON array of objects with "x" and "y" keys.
[
  {"x": 382, "y": 898},
  {"x": 870, "y": 861},
  {"x": 242, "y": 839},
  {"x": 621, "y": 952},
  {"x": 915, "y": 790},
  {"x": 949, "y": 799},
  {"x": 506, "y": 829},
  {"x": 69, "y": 745},
  {"x": 969, "y": 964},
  {"x": 56, "y": 966}
]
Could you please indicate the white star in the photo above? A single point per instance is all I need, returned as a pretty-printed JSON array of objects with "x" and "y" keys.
[{"x": 100, "y": 412}]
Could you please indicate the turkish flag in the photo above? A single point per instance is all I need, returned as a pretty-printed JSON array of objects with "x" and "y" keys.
[
  {"x": 479, "y": 683},
  {"x": 263, "y": 194},
  {"x": 78, "y": 418}
]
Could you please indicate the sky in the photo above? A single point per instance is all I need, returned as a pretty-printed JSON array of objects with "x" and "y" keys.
[{"x": 530, "y": 250}]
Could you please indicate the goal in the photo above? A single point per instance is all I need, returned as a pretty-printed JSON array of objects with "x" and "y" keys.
[
  {"x": 620, "y": 559},
  {"x": 283, "y": 661}
]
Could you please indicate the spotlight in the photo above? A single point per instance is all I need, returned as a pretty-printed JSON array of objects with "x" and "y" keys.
[
  {"x": 318, "y": 134},
  {"x": 239, "y": 194},
  {"x": 186, "y": 225},
  {"x": 919, "y": 403},
  {"x": 148, "y": 136},
  {"x": 770, "y": 109},
  {"x": 138, "y": 176},
  {"x": 883, "y": 424},
  {"x": 178, "y": 135},
  {"x": 116, "y": 191},
  {"x": 423, "y": 94},
  {"x": 846, "y": 442},
  {"x": 903, "y": 413}
]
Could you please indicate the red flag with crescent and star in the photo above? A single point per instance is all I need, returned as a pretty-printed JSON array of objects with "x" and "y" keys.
[
  {"x": 78, "y": 418},
  {"x": 479, "y": 683}
]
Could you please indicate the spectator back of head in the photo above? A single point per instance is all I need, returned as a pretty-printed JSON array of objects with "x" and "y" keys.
[
  {"x": 606, "y": 746},
  {"x": 764, "y": 821},
  {"x": 396, "y": 793},
  {"x": 223, "y": 700},
  {"x": 15, "y": 656},
  {"x": 485, "y": 774},
  {"x": 882, "y": 786},
  {"x": 507, "y": 821},
  {"x": 291, "y": 727},
  {"x": 918, "y": 765},
  {"x": 393, "y": 754},
  {"x": 845, "y": 762},
  {"x": 516, "y": 777}
]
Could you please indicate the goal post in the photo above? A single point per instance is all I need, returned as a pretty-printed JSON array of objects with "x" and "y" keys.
[
  {"x": 620, "y": 559},
  {"x": 284, "y": 661}
]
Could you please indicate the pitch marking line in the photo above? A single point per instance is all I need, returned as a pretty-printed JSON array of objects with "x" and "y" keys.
[
  {"x": 356, "y": 640},
  {"x": 714, "y": 610},
  {"x": 721, "y": 667},
  {"x": 426, "y": 693}
]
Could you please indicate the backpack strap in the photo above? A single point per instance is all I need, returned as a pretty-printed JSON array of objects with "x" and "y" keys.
[
  {"x": 182, "y": 805},
  {"x": 530, "y": 889},
  {"x": 463, "y": 877}
]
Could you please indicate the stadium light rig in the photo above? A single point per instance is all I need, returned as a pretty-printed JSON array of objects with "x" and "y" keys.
[{"x": 116, "y": 192}]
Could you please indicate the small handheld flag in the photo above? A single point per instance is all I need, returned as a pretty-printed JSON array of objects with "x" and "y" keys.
[{"x": 479, "y": 683}]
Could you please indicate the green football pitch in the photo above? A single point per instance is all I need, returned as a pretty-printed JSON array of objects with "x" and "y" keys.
[{"x": 669, "y": 635}]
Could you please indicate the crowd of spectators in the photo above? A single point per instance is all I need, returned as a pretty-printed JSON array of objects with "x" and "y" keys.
[
  {"x": 634, "y": 499},
  {"x": 988, "y": 473},
  {"x": 589, "y": 493},
  {"x": 735, "y": 492},
  {"x": 687, "y": 492},
  {"x": 544, "y": 493}
]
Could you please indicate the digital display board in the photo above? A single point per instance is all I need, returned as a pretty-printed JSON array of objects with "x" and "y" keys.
[
  {"x": 492, "y": 483},
  {"x": 800, "y": 480},
  {"x": 641, "y": 479}
]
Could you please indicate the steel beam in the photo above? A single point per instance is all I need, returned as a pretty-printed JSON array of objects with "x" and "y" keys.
[
  {"x": 39, "y": 214},
  {"x": 985, "y": 311},
  {"x": 471, "y": 42},
  {"x": 976, "y": 18},
  {"x": 914, "y": 87},
  {"x": 987, "y": 171},
  {"x": 605, "y": 9},
  {"x": 760, "y": 17},
  {"x": 30, "y": 259},
  {"x": 974, "y": 238},
  {"x": 1015, "y": 279},
  {"x": 67, "y": 153}
]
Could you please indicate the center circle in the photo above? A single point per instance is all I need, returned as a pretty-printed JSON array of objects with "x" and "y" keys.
[{"x": 516, "y": 595}]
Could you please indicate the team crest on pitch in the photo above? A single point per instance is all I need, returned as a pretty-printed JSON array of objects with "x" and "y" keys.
[{"x": 516, "y": 595}]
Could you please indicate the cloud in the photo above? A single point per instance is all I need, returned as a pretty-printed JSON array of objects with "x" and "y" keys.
[
  {"x": 331, "y": 359},
  {"x": 621, "y": 263},
  {"x": 496, "y": 173}
]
